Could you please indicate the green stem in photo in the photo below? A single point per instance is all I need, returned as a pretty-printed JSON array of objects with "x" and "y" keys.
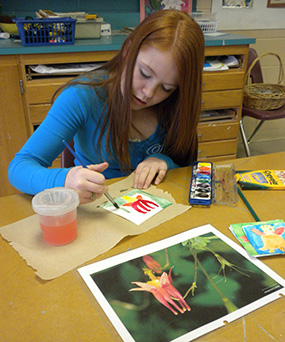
[
  {"x": 228, "y": 304},
  {"x": 193, "y": 286},
  {"x": 224, "y": 263},
  {"x": 166, "y": 260}
]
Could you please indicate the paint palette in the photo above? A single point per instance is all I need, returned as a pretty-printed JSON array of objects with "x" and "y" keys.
[
  {"x": 224, "y": 184},
  {"x": 201, "y": 184}
]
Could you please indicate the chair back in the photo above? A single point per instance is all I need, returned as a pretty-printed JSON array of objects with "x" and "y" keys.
[{"x": 256, "y": 72}]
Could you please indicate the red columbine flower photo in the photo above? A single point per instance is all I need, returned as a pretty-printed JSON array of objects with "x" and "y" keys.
[
  {"x": 163, "y": 290},
  {"x": 152, "y": 264}
]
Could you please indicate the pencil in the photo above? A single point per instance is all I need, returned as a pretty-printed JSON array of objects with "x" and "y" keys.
[
  {"x": 248, "y": 205},
  {"x": 109, "y": 197}
]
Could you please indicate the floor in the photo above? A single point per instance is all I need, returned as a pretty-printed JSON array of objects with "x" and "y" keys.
[{"x": 261, "y": 147}]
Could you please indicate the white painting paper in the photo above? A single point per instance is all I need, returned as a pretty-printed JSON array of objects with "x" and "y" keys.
[{"x": 137, "y": 206}]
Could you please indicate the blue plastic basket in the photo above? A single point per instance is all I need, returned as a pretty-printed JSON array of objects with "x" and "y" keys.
[{"x": 49, "y": 31}]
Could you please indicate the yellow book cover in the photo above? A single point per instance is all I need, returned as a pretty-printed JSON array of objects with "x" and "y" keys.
[{"x": 261, "y": 179}]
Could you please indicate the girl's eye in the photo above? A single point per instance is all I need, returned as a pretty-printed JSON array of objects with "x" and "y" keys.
[
  {"x": 144, "y": 74},
  {"x": 167, "y": 90}
]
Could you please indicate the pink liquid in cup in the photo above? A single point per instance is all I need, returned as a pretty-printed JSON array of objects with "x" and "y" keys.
[
  {"x": 59, "y": 231},
  {"x": 57, "y": 212}
]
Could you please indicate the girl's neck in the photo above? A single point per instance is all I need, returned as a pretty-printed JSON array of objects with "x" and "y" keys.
[{"x": 143, "y": 124}]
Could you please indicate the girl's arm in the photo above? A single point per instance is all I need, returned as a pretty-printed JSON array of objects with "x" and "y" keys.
[
  {"x": 29, "y": 171},
  {"x": 169, "y": 162}
]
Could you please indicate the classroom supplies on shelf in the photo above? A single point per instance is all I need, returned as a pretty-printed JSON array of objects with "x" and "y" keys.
[
  {"x": 206, "y": 20},
  {"x": 48, "y": 31},
  {"x": 218, "y": 115},
  {"x": 214, "y": 65}
]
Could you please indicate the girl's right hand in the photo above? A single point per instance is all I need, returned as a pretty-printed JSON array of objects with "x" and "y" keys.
[{"x": 89, "y": 183}]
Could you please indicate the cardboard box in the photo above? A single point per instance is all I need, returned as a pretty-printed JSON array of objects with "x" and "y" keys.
[{"x": 87, "y": 29}]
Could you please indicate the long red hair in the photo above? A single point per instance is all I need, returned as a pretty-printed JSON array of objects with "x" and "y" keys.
[{"x": 179, "y": 113}]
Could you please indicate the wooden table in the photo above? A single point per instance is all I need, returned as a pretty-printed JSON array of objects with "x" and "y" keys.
[{"x": 63, "y": 309}]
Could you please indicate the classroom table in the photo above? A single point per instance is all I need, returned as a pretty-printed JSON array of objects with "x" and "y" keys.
[{"x": 62, "y": 309}]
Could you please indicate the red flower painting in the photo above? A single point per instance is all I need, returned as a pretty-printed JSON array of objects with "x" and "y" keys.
[{"x": 139, "y": 204}]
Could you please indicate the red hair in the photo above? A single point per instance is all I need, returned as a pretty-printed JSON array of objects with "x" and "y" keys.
[{"x": 179, "y": 114}]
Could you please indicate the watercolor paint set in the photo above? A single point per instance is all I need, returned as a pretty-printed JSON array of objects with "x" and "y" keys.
[{"x": 201, "y": 183}]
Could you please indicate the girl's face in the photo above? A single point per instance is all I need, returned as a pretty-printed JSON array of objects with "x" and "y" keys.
[{"x": 154, "y": 78}]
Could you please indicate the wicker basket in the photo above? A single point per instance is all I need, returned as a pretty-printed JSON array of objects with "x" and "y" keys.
[{"x": 264, "y": 96}]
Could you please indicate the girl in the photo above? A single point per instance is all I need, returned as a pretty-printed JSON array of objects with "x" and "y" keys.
[{"x": 138, "y": 112}]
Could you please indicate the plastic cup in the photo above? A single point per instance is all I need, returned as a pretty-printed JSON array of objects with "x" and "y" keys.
[{"x": 57, "y": 213}]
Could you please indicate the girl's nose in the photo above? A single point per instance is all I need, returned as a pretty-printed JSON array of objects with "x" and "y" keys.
[{"x": 149, "y": 90}]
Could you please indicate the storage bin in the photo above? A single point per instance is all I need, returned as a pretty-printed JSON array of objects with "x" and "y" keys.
[
  {"x": 87, "y": 29},
  {"x": 208, "y": 26},
  {"x": 264, "y": 96},
  {"x": 48, "y": 31}
]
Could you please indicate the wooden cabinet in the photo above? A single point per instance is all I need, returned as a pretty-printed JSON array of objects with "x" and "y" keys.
[
  {"x": 13, "y": 128},
  {"x": 222, "y": 90},
  {"x": 24, "y": 108},
  {"x": 39, "y": 89}
]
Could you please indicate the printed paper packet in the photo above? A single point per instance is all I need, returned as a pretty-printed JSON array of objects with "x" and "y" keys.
[{"x": 261, "y": 179}]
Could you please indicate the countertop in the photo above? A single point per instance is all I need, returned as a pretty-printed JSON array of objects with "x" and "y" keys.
[{"x": 14, "y": 46}]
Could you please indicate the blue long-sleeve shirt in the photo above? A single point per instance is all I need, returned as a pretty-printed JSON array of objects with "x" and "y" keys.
[{"x": 74, "y": 115}]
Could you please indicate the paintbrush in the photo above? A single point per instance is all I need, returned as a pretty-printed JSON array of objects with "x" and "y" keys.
[
  {"x": 249, "y": 207},
  {"x": 109, "y": 197}
]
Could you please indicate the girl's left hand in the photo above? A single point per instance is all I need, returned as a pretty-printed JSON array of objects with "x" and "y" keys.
[{"x": 148, "y": 170}]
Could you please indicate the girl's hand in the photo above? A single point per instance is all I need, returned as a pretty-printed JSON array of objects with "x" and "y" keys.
[
  {"x": 89, "y": 183},
  {"x": 150, "y": 169}
]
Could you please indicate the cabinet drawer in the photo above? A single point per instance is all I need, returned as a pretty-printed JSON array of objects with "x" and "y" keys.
[
  {"x": 217, "y": 131},
  {"x": 217, "y": 148},
  {"x": 221, "y": 99},
  {"x": 38, "y": 113},
  {"x": 38, "y": 92},
  {"x": 219, "y": 158},
  {"x": 226, "y": 80}
]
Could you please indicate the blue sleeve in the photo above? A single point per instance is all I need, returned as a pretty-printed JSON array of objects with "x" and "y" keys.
[
  {"x": 28, "y": 171},
  {"x": 170, "y": 163}
]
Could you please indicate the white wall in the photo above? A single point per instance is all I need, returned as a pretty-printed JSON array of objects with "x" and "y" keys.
[{"x": 257, "y": 17}]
